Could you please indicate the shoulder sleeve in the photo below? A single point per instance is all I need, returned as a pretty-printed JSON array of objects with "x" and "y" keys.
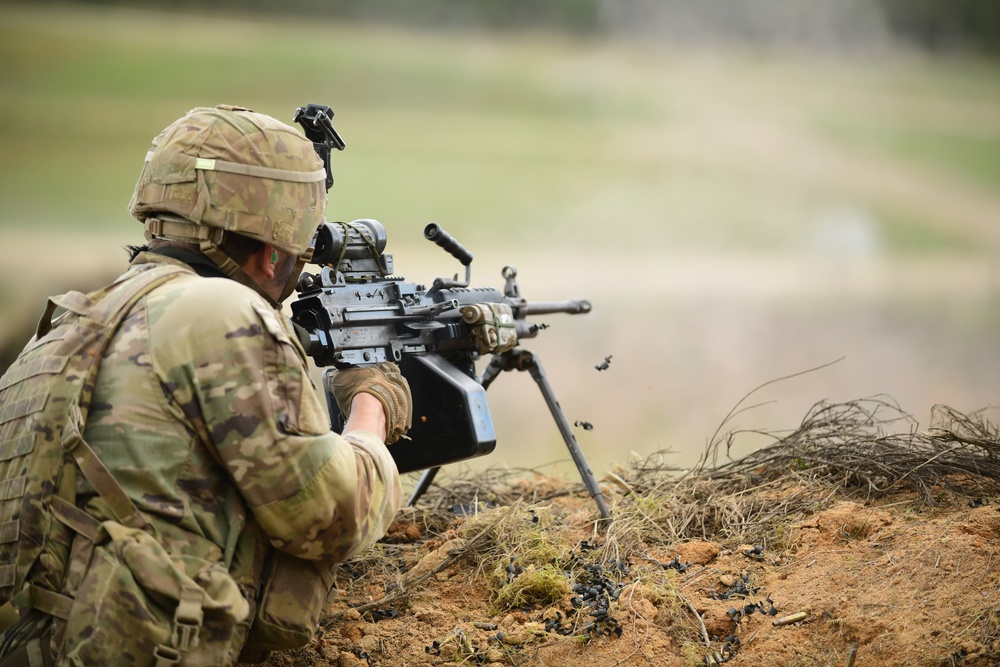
[{"x": 240, "y": 378}]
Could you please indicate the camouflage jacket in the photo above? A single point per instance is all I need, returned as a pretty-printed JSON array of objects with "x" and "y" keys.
[{"x": 205, "y": 413}]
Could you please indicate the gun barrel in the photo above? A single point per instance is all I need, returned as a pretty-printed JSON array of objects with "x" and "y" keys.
[{"x": 570, "y": 306}]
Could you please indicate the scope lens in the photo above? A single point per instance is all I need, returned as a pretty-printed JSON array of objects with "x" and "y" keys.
[{"x": 327, "y": 244}]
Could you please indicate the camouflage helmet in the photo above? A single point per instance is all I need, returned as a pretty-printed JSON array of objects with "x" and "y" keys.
[{"x": 231, "y": 169}]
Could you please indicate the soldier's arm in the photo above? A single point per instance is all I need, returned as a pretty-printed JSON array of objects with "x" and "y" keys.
[
  {"x": 367, "y": 414},
  {"x": 244, "y": 382}
]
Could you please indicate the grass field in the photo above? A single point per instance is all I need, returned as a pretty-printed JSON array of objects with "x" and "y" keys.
[{"x": 735, "y": 216}]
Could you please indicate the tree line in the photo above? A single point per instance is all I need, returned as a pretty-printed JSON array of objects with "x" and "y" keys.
[{"x": 933, "y": 25}]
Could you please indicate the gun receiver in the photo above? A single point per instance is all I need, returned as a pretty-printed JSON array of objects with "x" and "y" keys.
[{"x": 354, "y": 312}]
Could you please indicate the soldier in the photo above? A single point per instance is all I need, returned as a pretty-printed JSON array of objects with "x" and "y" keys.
[{"x": 170, "y": 489}]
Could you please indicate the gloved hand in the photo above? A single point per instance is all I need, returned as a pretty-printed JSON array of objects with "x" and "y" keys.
[{"x": 385, "y": 382}]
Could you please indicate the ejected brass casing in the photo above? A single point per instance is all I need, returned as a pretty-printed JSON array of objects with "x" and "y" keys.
[{"x": 793, "y": 618}]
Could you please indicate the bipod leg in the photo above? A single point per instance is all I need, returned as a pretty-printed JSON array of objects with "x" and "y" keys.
[
  {"x": 538, "y": 373},
  {"x": 505, "y": 361},
  {"x": 423, "y": 484},
  {"x": 523, "y": 360}
]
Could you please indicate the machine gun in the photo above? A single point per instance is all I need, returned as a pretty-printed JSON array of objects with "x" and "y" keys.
[{"x": 356, "y": 313}]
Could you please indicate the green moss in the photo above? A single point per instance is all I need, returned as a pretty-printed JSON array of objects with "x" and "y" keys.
[{"x": 543, "y": 585}]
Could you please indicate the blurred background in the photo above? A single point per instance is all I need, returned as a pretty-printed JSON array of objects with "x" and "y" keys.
[{"x": 745, "y": 189}]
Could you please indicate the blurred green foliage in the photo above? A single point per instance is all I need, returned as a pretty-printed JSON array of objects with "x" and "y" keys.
[
  {"x": 968, "y": 153},
  {"x": 551, "y": 138},
  {"x": 943, "y": 26},
  {"x": 95, "y": 87},
  {"x": 932, "y": 24}
]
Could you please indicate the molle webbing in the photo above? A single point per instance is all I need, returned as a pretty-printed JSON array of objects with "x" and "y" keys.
[{"x": 46, "y": 396}]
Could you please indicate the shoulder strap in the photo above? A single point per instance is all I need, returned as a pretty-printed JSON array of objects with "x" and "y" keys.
[{"x": 104, "y": 311}]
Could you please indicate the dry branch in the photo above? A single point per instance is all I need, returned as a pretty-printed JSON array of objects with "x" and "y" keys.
[{"x": 410, "y": 584}]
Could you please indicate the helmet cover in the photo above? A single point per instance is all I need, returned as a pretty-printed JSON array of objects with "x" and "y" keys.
[{"x": 235, "y": 170}]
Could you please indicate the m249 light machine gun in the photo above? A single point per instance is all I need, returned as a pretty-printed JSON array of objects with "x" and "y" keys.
[{"x": 356, "y": 313}]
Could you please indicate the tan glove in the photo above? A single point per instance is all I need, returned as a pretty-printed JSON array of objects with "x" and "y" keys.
[{"x": 385, "y": 382}]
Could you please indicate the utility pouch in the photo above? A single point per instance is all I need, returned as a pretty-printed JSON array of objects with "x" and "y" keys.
[
  {"x": 139, "y": 605},
  {"x": 293, "y": 597}
]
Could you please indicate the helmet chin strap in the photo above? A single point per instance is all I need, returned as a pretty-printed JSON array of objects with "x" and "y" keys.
[
  {"x": 293, "y": 279},
  {"x": 208, "y": 240},
  {"x": 233, "y": 270}
]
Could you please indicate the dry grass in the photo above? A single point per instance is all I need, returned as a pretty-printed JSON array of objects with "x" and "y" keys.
[
  {"x": 515, "y": 538},
  {"x": 862, "y": 448},
  {"x": 848, "y": 444}
]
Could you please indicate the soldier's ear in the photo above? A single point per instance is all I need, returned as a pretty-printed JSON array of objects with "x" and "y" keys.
[{"x": 264, "y": 261}]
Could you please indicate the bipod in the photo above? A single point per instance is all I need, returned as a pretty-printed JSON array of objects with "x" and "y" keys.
[{"x": 524, "y": 360}]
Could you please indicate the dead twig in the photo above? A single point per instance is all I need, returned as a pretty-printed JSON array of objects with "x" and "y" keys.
[{"x": 409, "y": 584}]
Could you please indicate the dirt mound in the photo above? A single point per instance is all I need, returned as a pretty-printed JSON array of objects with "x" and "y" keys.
[{"x": 803, "y": 571}]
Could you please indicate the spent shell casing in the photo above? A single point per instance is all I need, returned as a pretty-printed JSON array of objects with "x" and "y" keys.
[
  {"x": 792, "y": 618},
  {"x": 484, "y": 626}
]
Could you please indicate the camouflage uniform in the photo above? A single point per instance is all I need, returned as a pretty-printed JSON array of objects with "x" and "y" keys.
[
  {"x": 221, "y": 498},
  {"x": 204, "y": 409}
]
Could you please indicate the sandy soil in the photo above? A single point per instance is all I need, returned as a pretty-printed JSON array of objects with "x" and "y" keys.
[{"x": 894, "y": 582}]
